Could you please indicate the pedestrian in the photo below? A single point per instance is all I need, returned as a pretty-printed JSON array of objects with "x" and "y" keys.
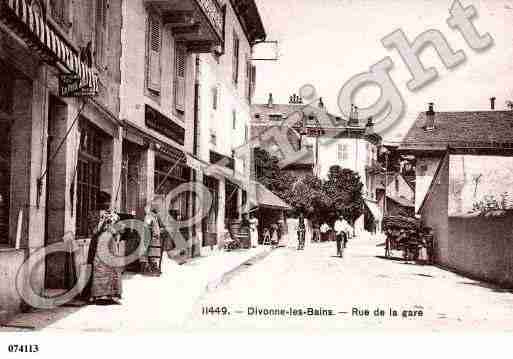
[
  {"x": 105, "y": 286},
  {"x": 301, "y": 231},
  {"x": 253, "y": 231},
  {"x": 340, "y": 236},
  {"x": 325, "y": 228},
  {"x": 316, "y": 232},
  {"x": 149, "y": 262}
]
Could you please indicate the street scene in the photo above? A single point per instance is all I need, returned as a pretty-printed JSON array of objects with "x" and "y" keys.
[{"x": 245, "y": 165}]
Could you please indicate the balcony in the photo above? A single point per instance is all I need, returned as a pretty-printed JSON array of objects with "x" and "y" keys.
[{"x": 197, "y": 23}]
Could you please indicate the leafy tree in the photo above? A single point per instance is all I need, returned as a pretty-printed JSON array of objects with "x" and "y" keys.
[
  {"x": 343, "y": 194},
  {"x": 304, "y": 194},
  {"x": 317, "y": 199}
]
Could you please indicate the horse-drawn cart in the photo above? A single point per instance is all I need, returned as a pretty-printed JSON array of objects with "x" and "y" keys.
[{"x": 406, "y": 234}]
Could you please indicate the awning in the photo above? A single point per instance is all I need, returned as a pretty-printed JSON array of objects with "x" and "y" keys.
[
  {"x": 215, "y": 170},
  {"x": 267, "y": 199},
  {"x": 374, "y": 209},
  {"x": 30, "y": 26}
]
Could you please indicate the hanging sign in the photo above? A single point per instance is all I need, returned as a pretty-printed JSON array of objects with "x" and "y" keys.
[{"x": 72, "y": 86}]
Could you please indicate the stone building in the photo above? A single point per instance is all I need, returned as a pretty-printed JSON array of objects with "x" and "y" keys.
[
  {"x": 59, "y": 64},
  {"x": 464, "y": 180}
]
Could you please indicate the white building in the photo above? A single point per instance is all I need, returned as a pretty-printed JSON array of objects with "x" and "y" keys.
[{"x": 226, "y": 83}]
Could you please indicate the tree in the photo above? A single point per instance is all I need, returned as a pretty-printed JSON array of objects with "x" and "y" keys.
[
  {"x": 317, "y": 199},
  {"x": 343, "y": 194},
  {"x": 304, "y": 194}
]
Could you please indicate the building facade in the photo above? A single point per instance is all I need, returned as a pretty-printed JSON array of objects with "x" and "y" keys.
[
  {"x": 225, "y": 87},
  {"x": 59, "y": 64},
  {"x": 466, "y": 198},
  {"x": 185, "y": 104}
]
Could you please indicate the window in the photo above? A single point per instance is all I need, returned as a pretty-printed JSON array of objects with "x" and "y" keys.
[
  {"x": 342, "y": 152},
  {"x": 180, "y": 63},
  {"x": 236, "y": 53},
  {"x": 247, "y": 88},
  {"x": 100, "y": 32},
  {"x": 397, "y": 184},
  {"x": 246, "y": 133},
  {"x": 215, "y": 97},
  {"x": 5, "y": 176},
  {"x": 59, "y": 11},
  {"x": 88, "y": 174},
  {"x": 154, "y": 39},
  {"x": 234, "y": 119}
]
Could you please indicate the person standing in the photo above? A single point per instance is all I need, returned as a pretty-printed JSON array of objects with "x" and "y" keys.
[
  {"x": 149, "y": 261},
  {"x": 301, "y": 232},
  {"x": 105, "y": 286},
  {"x": 340, "y": 236},
  {"x": 253, "y": 231},
  {"x": 325, "y": 228},
  {"x": 316, "y": 232}
]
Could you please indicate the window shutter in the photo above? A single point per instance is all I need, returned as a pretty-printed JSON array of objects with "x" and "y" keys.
[
  {"x": 248, "y": 79},
  {"x": 180, "y": 62},
  {"x": 101, "y": 23},
  {"x": 236, "y": 45},
  {"x": 253, "y": 81},
  {"x": 154, "y": 47}
]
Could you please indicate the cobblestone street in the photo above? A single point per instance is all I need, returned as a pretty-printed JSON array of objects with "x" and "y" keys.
[{"x": 316, "y": 278}]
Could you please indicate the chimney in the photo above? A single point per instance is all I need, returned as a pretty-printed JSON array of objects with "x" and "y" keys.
[
  {"x": 353, "y": 116},
  {"x": 321, "y": 104},
  {"x": 270, "y": 102},
  {"x": 430, "y": 117},
  {"x": 295, "y": 100},
  {"x": 492, "y": 103}
]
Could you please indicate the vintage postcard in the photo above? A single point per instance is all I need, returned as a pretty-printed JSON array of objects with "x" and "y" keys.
[{"x": 172, "y": 166}]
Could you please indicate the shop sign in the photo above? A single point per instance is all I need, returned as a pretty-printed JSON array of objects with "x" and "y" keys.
[{"x": 72, "y": 86}]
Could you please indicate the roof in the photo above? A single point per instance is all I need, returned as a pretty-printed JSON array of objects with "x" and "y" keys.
[
  {"x": 314, "y": 116},
  {"x": 402, "y": 201},
  {"x": 474, "y": 129},
  {"x": 266, "y": 198},
  {"x": 307, "y": 160},
  {"x": 249, "y": 17}
]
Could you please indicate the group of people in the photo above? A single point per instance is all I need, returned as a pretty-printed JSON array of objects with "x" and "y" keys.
[
  {"x": 105, "y": 283},
  {"x": 341, "y": 228}
]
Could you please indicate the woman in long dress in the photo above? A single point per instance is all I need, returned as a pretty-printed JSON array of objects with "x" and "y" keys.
[
  {"x": 254, "y": 232},
  {"x": 105, "y": 286},
  {"x": 152, "y": 246}
]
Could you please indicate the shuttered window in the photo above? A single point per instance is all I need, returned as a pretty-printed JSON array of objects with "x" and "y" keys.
[
  {"x": 100, "y": 32},
  {"x": 236, "y": 53},
  {"x": 252, "y": 86},
  {"x": 180, "y": 66},
  {"x": 154, "y": 50},
  {"x": 247, "y": 88}
]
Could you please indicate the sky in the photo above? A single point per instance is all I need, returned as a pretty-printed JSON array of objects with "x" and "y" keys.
[{"x": 326, "y": 42}]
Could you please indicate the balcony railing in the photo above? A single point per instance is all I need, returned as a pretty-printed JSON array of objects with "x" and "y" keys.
[{"x": 197, "y": 23}]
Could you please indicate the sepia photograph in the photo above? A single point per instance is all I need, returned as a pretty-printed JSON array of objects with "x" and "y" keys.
[{"x": 254, "y": 166}]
